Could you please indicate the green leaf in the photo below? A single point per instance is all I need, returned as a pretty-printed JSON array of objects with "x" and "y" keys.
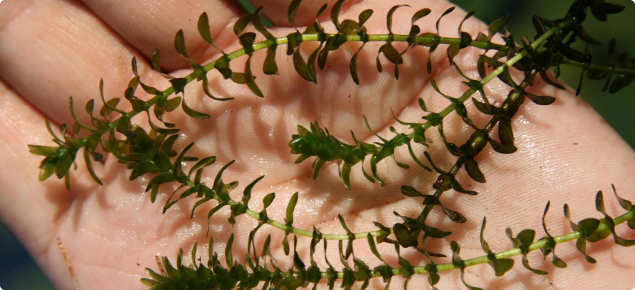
[
  {"x": 345, "y": 175},
  {"x": 222, "y": 65},
  {"x": 482, "y": 107},
  {"x": 179, "y": 43},
  {"x": 47, "y": 168},
  {"x": 265, "y": 247},
  {"x": 457, "y": 187},
  {"x": 505, "y": 132},
  {"x": 484, "y": 244},
  {"x": 207, "y": 92},
  {"x": 290, "y": 208},
  {"x": 247, "y": 191},
  {"x": 494, "y": 27},
  {"x": 353, "y": 68},
  {"x": 301, "y": 67},
  {"x": 291, "y": 12},
  {"x": 389, "y": 16},
  {"x": 480, "y": 67},
  {"x": 237, "y": 209},
  {"x": 155, "y": 63},
  {"x": 203, "y": 28},
  {"x": 270, "y": 67},
  {"x": 157, "y": 277},
  {"x": 580, "y": 244},
  {"x": 172, "y": 104},
  {"x": 422, "y": 105},
  {"x": 625, "y": 204},
  {"x": 317, "y": 164},
  {"x": 403, "y": 236},
  {"x": 420, "y": 14},
  {"x": 133, "y": 64},
  {"x": 453, "y": 51},
  {"x": 142, "y": 168},
  {"x": 75, "y": 128},
  {"x": 446, "y": 12},
  {"x": 502, "y": 148},
  {"x": 285, "y": 244},
  {"x": 454, "y": 215},
  {"x": 541, "y": 100},
  {"x": 166, "y": 147},
  {"x": 373, "y": 248},
  {"x": 64, "y": 164},
  {"x": 211, "y": 211},
  {"x": 335, "y": 12},
  {"x": 465, "y": 38},
  {"x": 148, "y": 282},
  {"x": 89, "y": 106},
  {"x": 247, "y": 41},
  {"x": 188, "y": 192},
  {"x": 202, "y": 164},
  {"x": 47, "y": 151},
  {"x": 193, "y": 113},
  {"x": 410, "y": 191},
  {"x": 179, "y": 85},
  {"x": 620, "y": 82},
  {"x": 588, "y": 226},
  {"x": 364, "y": 16},
  {"x": 391, "y": 53},
  {"x": 153, "y": 194},
  {"x": 160, "y": 179},
  {"x": 473, "y": 171},
  {"x": 408, "y": 269},
  {"x": 311, "y": 63},
  {"x": 108, "y": 107},
  {"x": 501, "y": 266},
  {"x": 228, "y": 252},
  {"x": 412, "y": 155},
  {"x": 242, "y": 23},
  {"x": 373, "y": 169},
  {"x": 268, "y": 199},
  {"x": 293, "y": 41},
  {"x": 368, "y": 176},
  {"x": 257, "y": 22},
  {"x": 176, "y": 169},
  {"x": 249, "y": 79}
]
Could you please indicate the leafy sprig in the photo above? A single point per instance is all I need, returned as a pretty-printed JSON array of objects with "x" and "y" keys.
[{"x": 256, "y": 270}]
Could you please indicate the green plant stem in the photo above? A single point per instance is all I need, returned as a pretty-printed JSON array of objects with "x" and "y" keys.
[
  {"x": 421, "y": 40},
  {"x": 306, "y": 233},
  {"x": 504, "y": 254},
  {"x": 534, "y": 246},
  {"x": 597, "y": 67},
  {"x": 476, "y": 143}
]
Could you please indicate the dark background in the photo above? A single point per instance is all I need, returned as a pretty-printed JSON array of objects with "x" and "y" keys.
[{"x": 18, "y": 271}]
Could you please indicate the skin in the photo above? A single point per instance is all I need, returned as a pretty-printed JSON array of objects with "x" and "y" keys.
[{"x": 52, "y": 49}]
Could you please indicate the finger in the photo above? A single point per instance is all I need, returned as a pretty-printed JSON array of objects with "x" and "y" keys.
[
  {"x": 30, "y": 209},
  {"x": 50, "y": 50},
  {"x": 152, "y": 25}
]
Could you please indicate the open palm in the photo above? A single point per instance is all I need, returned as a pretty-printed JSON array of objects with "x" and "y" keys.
[{"x": 52, "y": 49}]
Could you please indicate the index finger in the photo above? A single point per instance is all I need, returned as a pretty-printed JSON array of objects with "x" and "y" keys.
[{"x": 151, "y": 25}]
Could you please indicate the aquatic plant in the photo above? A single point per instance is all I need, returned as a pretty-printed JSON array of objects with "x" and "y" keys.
[{"x": 444, "y": 119}]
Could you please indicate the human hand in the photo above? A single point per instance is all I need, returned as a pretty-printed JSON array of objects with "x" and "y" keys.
[{"x": 52, "y": 49}]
